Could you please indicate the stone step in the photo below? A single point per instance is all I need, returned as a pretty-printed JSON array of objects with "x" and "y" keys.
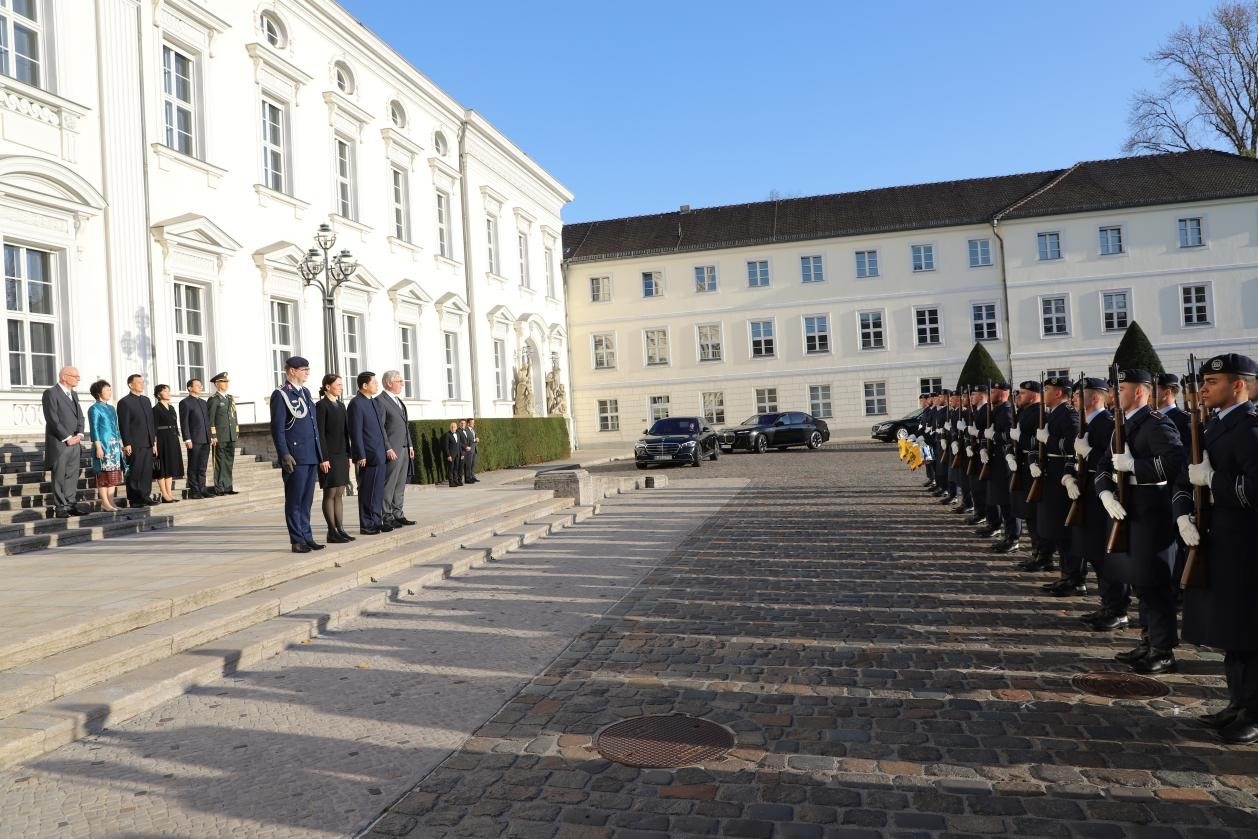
[
  {"x": 42, "y": 524},
  {"x": 120, "y": 524}
]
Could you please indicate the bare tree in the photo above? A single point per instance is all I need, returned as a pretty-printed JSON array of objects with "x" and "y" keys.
[{"x": 1210, "y": 95}]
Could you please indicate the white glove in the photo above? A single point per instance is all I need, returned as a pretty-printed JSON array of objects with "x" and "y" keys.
[
  {"x": 969, "y": 451},
  {"x": 1124, "y": 463},
  {"x": 1015, "y": 435},
  {"x": 960, "y": 425},
  {"x": 1082, "y": 448},
  {"x": 972, "y": 431},
  {"x": 1115, "y": 510},
  {"x": 1012, "y": 462},
  {"x": 1201, "y": 474},
  {"x": 1072, "y": 487},
  {"x": 1036, "y": 471},
  {"x": 983, "y": 455},
  {"x": 1188, "y": 531},
  {"x": 1041, "y": 434},
  {"x": 990, "y": 434},
  {"x": 948, "y": 425},
  {"x": 956, "y": 449}
]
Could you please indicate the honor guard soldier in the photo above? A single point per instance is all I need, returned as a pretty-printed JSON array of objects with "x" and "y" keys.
[
  {"x": 973, "y": 453},
  {"x": 1058, "y": 436},
  {"x": 1151, "y": 459},
  {"x": 999, "y": 501},
  {"x": 959, "y": 491},
  {"x": 1222, "y": 613},
  {"x": 224, "y": 432},
  {"x": 939, "y": 442},
  {"x": 1168, "y": 406},
  {"x": 296, "y": 436},
  {"x": 1019, "y": 458}
]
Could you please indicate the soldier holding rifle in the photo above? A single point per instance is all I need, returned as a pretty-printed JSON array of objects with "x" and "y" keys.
[
  {"x": 976, "y": 425},
  {"x": 939, "y": 441},
  {"x": 1058, "y": 436},
  {"x": 1019, "y": 460},
  {"x": 952, "y": 417},
  {"x": 1000, "y": 515},
  {"x": 960, "y": 449}
]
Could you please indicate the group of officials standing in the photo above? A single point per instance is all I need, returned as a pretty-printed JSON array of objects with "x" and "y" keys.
[{"x": 1063, "y": 466}]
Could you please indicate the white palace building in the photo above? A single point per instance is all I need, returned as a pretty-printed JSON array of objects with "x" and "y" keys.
[
  {"x": 848, "y": 306},
  {"x": 164, "y": 168}
]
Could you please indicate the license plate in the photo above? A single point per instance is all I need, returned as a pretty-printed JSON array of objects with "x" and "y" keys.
[{"x": 663, "y": 457}]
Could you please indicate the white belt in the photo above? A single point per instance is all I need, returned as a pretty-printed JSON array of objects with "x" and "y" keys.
[
  {"x": 1063, "y": 456},
  {"x": 1131, "y": 479}
]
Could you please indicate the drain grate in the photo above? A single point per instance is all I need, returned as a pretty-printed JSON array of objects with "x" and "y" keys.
[
  {"x": 663, "y": 741},
  {"x": 1120, "y": 685}
]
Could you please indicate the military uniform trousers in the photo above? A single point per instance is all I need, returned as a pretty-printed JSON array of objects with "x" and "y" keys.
[
  {"x": 1055, "y": 535},
  {"x": 224, "y": 462},
  {"x": 1089, "y": 540},
  {"x": 1148, "y": 562},
  {"x": 298, "y": 496}
]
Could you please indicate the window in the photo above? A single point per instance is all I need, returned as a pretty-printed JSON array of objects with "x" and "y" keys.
[
  {"x": 189, "y": 332},
  {"x": 443, "y": 224},
  {"x": 1049, "y": 246},
  {"x": 656, "y": 346},
  {"x": 406, "y": 343},
  {"x": 923, "y": 257},
  {"x": 983, "y": 321},
  {"x": 439, "y": 144},
  {"x": 274, "y": 168},
  {"x": 926, "y": 320},
  {"x": 608, "y": 415},
  {"x": 491, "y": 240},
  {"x": 816, "y": 334},
  {"x": 710, "y": 342},
  {"x": 548, "y": 255},
  {"x": 1196, "y": 304},
  {"x": 758, "y": 273},
  {"x": 500, "y": 371},
  {"x": 866, "y": 264},
  {"x": 714, "y": 408},
  {"x": 873, "y": 336},
  {"x": 766, "y": 400},
  {"x": 526, "y": 278},
  {"x": 345, "y": 198},
  {"x": 1116, "y": 309},
  {"x": 273, "y": 30},
  {"x": 980, "y": 253},
  {"x": 929, "y": 384},
  {"x": 1053, "y": 316},
  {"x": 600, "y": 289},
  {"x": 819, "y": 404},
  {"x": 177, "y": 108},
  {"x": 1057, "y": 374},
  {"x": 762, "y": 339},
  {"x": 810, "y": 270},
  {"x": 452, "y": 365},
  {"x": 351, "y": 345},
  {"x": 20, "y": 41},
  {"x": 705, "y": 278},
  {"x": 283, "y": 339},
  {"x": 397, "y": 114},
  {"x": 31, "y": 324},
  {"x": 344, "y": 78},
  {"x": 1111, "y": 240},
  {"x": 659, "y": 408},
  {"x": 605, "y": 351},
  {"x": 651, "y": 284},
  {"x": 401, "y": 204},
  {"x": 875, "y": 399},
  {"x": 1190, "y": 233}
]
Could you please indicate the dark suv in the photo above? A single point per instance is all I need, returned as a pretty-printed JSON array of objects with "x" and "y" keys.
[
  {"x": 677, "y": 440},
  {"x": 781, "y": 430}
]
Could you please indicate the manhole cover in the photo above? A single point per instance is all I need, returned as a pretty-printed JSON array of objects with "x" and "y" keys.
[
  {"x": 1120, "y": 685},
  {"x": 663, "y": 741}
]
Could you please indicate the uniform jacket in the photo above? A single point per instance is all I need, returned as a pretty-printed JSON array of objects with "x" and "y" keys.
[
  {"x": 223, "y": 423},
  {"x": 63, "y": 417},
  {"x": 1026, "y": 450},
  {"x": 1001, "y": 422},
  {"x": 194, "y": 419},
  {"x": 1183, "y": 424},
  {"x": 365, "y": 417},
  {"x": 135, "y": 422},
  {"x": 297, "y": 436},
  {"x": 1063, "y": 428},
  {"x": 1096, "y": 522}
]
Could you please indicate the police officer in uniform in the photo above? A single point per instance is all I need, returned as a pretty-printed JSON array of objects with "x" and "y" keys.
[
  {"x": 1058, "y": 436},
  {"x": 296, "y": 436},
  {"x": 1023, "y": 452},
  {"x": 1222, "y": 614},
  {"x": 1152, "y": 458},
  {"x": 224, "y": 432}
]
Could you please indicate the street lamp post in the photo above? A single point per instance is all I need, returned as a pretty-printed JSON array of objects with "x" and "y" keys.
[{"x": 327, "y": 272}]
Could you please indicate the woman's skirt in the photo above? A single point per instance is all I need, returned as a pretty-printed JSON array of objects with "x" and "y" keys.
[{"x": 109, "y": 479}]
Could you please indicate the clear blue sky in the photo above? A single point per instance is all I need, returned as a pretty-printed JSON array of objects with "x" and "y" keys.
[{"x": 640, "y": 107}]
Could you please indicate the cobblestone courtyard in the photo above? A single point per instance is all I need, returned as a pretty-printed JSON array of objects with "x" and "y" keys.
[{"x": 884, "y": 677}]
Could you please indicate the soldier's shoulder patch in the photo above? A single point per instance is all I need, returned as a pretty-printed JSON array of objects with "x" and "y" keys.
[{"x": 1156, "y": 414}]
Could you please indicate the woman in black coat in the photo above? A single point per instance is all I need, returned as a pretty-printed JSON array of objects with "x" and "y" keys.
[
  {"x": 334, "y": 471},
  {"x": 169, "y": 463}
]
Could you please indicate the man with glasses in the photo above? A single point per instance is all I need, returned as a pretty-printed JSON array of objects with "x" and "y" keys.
[{"x": 63, "y": 431}]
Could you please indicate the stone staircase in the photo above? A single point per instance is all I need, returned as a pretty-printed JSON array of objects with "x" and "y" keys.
[{"x": 74, "y": 676}]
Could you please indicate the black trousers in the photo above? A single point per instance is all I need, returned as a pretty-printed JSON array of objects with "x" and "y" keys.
[
  {"x": 469, "y": 465},
  {"x": 1240, "y": 667},
  {"x": 454, "y": 469},
  {"x": 198, "y": 460},
  {"x": 370, "y": 496},
  {"x": 1157, "y": 615},
  {"x": 140, "y": 476}
]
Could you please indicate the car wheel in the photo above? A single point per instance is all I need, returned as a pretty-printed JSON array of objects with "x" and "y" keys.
[
  {"x": 716, "y": 452},
  {"x": 902, "y": 434},
  {"x": 697, "y": 460},
  {"x": 762, "y": 445},
  {"x": 642, "y": 465},
  {"x": 814, "y": 440}
]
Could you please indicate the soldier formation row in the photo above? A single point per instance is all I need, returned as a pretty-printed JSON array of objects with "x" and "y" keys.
[{"x": 1113, "y": 474}]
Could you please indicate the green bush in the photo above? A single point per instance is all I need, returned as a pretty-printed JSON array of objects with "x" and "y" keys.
[
  {"x": 505, "y": 442},
  {"x": 979, "y": 369},
  {"x": 1135, "y": 352}
]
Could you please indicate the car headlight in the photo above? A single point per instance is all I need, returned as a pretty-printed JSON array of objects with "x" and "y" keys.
[
  {"x": 689, "y": 444},
  {"x": 639, "y": 445}
]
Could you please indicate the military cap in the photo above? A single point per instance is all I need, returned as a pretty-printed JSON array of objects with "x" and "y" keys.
[
  {"x": 923, "y": 396},
  {"x": 1134, "y": 375},
  {"x": 1233, "y": 363},
  {"x": 296, "y": 362},
  {"x": 1062, "y": 382},
  {"x": 1168, "y": 380},
  {"x": 219, "y": 377},
  {"x": 1092, "y": 383},
  {"x": 1001, "y": 386},
  {"x": 980, "y": 389},
  {"x": 1031, "y": 385},
  {"x": 946, "y": 392}
]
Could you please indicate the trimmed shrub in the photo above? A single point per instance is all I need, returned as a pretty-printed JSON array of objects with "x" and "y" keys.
[
  {"x": 505, "y": 442},
  {"x": 1135, "y": 352},
  {"x": 979, "y": 369}
]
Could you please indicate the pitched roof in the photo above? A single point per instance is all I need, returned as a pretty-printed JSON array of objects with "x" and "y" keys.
[{"x": 1097, "y": 185}]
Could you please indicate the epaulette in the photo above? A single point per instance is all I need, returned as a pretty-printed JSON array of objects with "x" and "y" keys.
[{"x": 1156, "y": 414}]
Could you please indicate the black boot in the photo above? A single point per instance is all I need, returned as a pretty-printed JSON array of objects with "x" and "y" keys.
[{"x": 345, "y": 537}]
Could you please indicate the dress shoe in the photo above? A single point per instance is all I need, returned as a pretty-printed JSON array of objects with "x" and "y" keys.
[
  {"x": 209, "y": 492},
  {"x": 335, "y": 538},
  {"x": 961, "y": 509},
  {"x": 315, "y": 546},
  {"x": 63, "y": 514},
  {"x": 1069, "y": 588},
  {"x": 301, "y": 548},
  {"x": 403, "y": 522},
  {"x": 474, "y": 481},
  {"x": 1243, "y": 729},
  {"x": 1091, "y": 616},
  {"x": 1134, "y": 654},
  {"x": 231, "y": 492},
  {"x": 345, "y": 537},
  {"x": 1054, "y": 584},
  {"x": 1037, "y": 562},
  {"x": 194, "y": 495},
  {"x": 368, "y": 531},
  {"x": 948, "y": 499},
  {"x": 1110, "y": 621},
  {"x": 386, "y": 528},
  {"x": 1220, "y": 719},
  {"x": 986, "y": 532},
  {"x": 928, "y": 484},
  {"x": 976, "y": 519},
  {"x": 1157, "y": 661},
  {"x": 1005, "y": 546}
]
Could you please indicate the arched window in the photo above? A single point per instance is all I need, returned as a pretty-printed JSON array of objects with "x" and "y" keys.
[
  {"x": 397, "y": 114},
  {"x": 439, "y": 143},
  {"x": 273, "y": 30},
  {"x": 344, "y": 78}
]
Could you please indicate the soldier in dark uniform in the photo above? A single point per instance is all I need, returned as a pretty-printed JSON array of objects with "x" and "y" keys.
[
  {"x": 1152, "y": 458},
  {"x": 920, "y": 437},
  {"x": 1023, "y": 452},
  {"x": 999, "y": 502},
  {"x": 961, "y": 447},
  {"x": 1222, "y": 613},
  {"x": 1091, "y": 535},
  {"x": 938, "y": 444},
  {"x": 295, "y": 433},
  {"x": 973, "y": 455},
  {"x": 224, "y": 432},
  {"x": 1058, "y": 435},
  {"x": 948, "y": 447},
  {"x": 1168, "y": 406}
]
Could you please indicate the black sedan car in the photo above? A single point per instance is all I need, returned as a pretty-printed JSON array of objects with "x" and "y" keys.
[
  {"x": 677, "y": 440},
  {"x": 896, "y": 429},
  {"x": 782, "y": 430}
]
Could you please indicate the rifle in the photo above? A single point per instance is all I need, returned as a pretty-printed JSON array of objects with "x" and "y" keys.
[
  {"x": 1075, "y": 516},
  {"x": 1195, "y": 566},
  {"x": 958, "y": 438},
  {"x": 1033, "y": 494},
  {"x": 986, "y": 471},
  {"x": 1118, "y": 533},
  {"x": 973, "y": 462},
  {"x": 1015, "y": 480}
]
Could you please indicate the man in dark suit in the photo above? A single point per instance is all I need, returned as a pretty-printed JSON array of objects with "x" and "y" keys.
[
  {"x": 397, "y": 433},
  {"x": 139, "y": 441},
  {"x": 365, "y": 417},
  {"x": 296, "y": 437},
  {"x": 452, "y": 443},
  {"x": 194, "y": 419},
  {"x": 63, "y": 431},
  {"x": 469, "y": 451}
]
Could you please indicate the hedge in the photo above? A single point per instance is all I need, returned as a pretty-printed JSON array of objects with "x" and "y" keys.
[{"x": 505, "y": 442}]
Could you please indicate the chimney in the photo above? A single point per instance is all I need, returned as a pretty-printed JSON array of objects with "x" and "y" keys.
[{"x": 685, "y": 208}]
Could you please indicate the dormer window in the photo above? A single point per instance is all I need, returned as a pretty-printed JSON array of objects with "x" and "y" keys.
[
  {"x": 344, "y": 78},
  {"x": 439, "y": 143},
  {"x": 273, "y": 30},
  {"x": 397, "y": 114}
]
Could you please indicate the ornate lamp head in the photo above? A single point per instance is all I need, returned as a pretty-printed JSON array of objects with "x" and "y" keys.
[{"x": 325, "y": 238}]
